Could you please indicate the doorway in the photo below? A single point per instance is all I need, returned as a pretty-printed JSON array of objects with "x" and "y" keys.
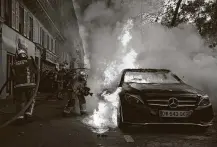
[{"x": 10, "y": 61}]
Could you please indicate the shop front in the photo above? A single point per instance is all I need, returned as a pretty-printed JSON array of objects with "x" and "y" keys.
[
  {"x": 48, "y": 65},
  {"x": 49, "y": 61},
  {"x": 38, "y": 54},
  {"x": 10, "y": 40}
]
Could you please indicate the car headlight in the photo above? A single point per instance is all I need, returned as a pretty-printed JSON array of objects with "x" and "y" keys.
[
  {"x": 133, "y": 99},
  {"x": 204, "y": 101}
]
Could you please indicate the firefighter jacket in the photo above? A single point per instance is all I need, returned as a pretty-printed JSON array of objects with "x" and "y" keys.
[
  {"x": 23, "y": 73},
  {"x": 81, "y": 88}
]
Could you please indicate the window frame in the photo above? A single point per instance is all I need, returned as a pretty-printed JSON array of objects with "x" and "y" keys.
[
  {"x": 31, "y": 28},
  {"x": 48, "y": 42},
  {"x": 21, "y": 19},
  {"x": 17, "y": 15},
  {"x": 13, "y": 13}
]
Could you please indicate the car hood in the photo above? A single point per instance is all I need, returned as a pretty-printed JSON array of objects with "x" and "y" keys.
[{"x": 161, "y": 88}]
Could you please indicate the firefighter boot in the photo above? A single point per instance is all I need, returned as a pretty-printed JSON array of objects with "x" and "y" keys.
[
  {"x": 70, "y": 107},
  {"x": 30, "y": 110},
  {"x": 19, "y": 107},
  {"x": 20, "y": 119},
  {"x": 68, "y": 110}
]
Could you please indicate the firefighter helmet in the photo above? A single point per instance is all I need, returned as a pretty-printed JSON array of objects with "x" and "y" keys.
[
  {"x": 82, "y": 75},
  {"x": 21, "y": 52}
]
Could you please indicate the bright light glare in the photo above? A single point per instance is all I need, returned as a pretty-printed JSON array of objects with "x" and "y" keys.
[{"x": 105, "y": 116}]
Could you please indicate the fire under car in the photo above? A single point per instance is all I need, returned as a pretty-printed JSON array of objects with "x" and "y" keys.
[{"x": 158, "y": 97}]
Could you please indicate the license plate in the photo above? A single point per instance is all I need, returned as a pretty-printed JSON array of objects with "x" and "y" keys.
[{"x": 167, "y": 113}]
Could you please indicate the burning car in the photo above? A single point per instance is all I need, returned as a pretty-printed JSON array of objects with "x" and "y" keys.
[{"x": 158, "y": 96}]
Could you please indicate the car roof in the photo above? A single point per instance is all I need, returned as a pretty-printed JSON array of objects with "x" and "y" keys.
[{"x": 145, "y": 70}]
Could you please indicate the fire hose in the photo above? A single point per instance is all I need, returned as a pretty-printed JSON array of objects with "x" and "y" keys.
[{"x": 28, "y": 103}]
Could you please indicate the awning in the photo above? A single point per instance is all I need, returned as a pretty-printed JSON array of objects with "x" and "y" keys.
[
  {"x": 8, "y": 45},
  {"x": 48, "y": 66}
]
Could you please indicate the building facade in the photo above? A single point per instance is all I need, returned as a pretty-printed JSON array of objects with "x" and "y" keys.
[
  {"x": 73, "y": 46},
  {"x": 38, "y": 24}
]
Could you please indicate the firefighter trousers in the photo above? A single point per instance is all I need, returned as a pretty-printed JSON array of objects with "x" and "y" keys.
[
  {"x": 71, "y": 101},
  {"x": 22, "y": 97}
]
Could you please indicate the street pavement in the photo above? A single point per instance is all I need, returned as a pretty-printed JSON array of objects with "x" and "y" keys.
[{"x": 49, "y": 128}]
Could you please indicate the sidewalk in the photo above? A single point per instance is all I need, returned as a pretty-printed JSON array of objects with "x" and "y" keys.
[{"x": 44, "y": 107}]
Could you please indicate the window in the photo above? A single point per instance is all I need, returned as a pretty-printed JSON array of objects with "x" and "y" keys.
[
  {"x": 21, "y": 21},
  {"x": 43, "y": 38},
  {"x": 35, "y": 30},
  {"x": 30, "y": 28},
  {"x": 25, "y": 23},
  {"x": 10, "y": 61},
  {"x": 17, "y": 16},
  {"x": 1, "y": 7},
  {"x": 39, "y": 33},
  {"x": 7, "y": 12},
  {"x": 13, "y": 14},
  {"x": 48, "y": 42},
  {"x": 40, "y": 36},
  {"x": 54, "y": 48},
  {"x": 51, "y": 42}
]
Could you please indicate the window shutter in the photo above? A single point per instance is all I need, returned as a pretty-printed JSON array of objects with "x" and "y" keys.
[
  {"x": 13, "y": 14},
  {"x": 51, "y": 42},
  {"x": 54, "y": 47},
  {"x": 17, "y": 15},
  {"x": 28, "y": 25},
  {"x": 45, "y": 40},
  {"x": 35, "y": 30},
  {"x": 48, "y": 39},
  {"x": 2, "y": 8},
  {"x": 39, "y": 33},
  {"x": 40, "y": 36},
  {"x": 25, "y": 23}
]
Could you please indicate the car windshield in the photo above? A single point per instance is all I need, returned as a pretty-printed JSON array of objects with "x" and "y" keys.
[{"x": 150, "y": 77}]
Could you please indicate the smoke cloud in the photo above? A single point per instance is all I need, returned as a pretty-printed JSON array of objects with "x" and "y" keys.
[{"x": 179, "y": 49}]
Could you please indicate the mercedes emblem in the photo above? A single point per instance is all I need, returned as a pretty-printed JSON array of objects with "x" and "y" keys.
[{"x": 173, "y": 102}]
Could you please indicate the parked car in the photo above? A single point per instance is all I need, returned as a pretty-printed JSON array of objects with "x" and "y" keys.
[{"x": 158, "y": 96}]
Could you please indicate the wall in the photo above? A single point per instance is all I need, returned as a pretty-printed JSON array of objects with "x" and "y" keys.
[
  {"x": 9, "y": 37},
  {"x": 3, "y": 56}
]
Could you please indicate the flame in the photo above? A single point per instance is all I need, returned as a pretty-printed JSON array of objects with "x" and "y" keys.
[
  {"x": 125, "y": 37},
  {"x": 105, "y": 116},
  {"x": 127, "y": 59}
]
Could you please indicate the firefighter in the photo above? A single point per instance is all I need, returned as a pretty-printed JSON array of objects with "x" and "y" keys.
[
  {"x": 71, "y": 92},
  {"x": 82, "y": 91},
  {"x": 23, "y": 71},
  {"x": 55, "y": 82},
  {"x": 60, "y": 79},
  {"x": 79, "y": 90}
]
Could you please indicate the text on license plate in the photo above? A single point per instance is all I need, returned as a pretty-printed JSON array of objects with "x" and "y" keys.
[{"x": 167, "y": 113}]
